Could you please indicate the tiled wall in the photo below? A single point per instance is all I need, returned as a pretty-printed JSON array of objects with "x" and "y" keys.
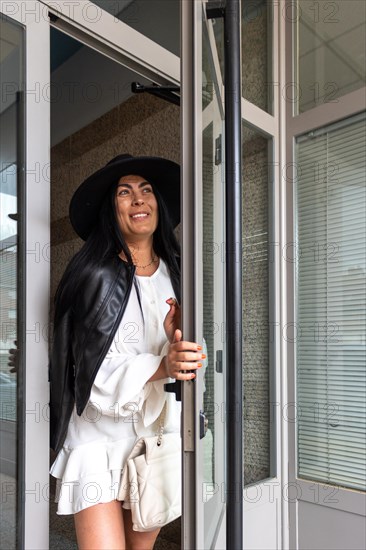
[
  {"x": 256, "y": 314},
  {"x": 143, "y": 125},
  {"x": 256, "y": 54}
]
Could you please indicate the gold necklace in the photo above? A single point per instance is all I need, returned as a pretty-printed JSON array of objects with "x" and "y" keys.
[{"x": 147, "y": 265}]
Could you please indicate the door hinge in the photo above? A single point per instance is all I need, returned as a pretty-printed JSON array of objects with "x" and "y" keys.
[
  {"x": 203, "y": 424},
  {"x": 53, "y": 18},
  {"x": 218, "y": 150},
  {"x": 215, "y": 10},
  {"x": 169, "y": 93},
  {"x": 219, "y": 361}
]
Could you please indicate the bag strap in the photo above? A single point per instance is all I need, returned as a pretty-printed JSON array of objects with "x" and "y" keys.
[{"x": 161, "y": 419}]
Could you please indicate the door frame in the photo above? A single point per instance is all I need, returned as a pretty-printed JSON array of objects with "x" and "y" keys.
[
  {"x": 293, "y": 126},
  {"x": 114, "y": 39},
  {"x": 268, "y": 124},
  {"x": 33, "y": 419},
  {"x": 118, "y": 41},
  {"x": 194, "y": 119}
]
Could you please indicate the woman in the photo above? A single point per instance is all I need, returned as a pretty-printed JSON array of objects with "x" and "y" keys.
[{"x": 116, "y": 342}]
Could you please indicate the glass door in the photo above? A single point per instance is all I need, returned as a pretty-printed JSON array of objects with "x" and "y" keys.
[
  {"x": 204, "y": 286},
  {"x": 24, "y": 274},
  {"x": 211, "y": 278},
  {"x": 12, "y": 37}
]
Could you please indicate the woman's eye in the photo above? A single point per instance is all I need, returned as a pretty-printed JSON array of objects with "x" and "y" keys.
[
  {"x": 122, "y": 192},
  {"x": 148, "y": 190}
]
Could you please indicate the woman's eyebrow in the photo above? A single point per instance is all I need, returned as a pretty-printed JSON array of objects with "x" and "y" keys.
[{"x": 141, "y": 184}]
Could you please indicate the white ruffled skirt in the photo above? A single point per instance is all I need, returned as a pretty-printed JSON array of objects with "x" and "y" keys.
[{"x": 89, "y": 474}]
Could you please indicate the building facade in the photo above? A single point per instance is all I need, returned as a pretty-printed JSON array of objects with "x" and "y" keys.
[{"x": 67, "y": 107}]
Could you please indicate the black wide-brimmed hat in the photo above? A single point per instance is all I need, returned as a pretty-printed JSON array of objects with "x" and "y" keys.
[{"x": 87, "y": 199}]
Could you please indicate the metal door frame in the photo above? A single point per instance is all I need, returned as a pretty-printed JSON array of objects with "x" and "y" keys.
[
  {"x": 33, "y": 448},
  {"x": 191, "y": 20}
]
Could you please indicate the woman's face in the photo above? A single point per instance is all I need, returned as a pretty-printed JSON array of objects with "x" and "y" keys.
[{"x": 137, "y": 207}]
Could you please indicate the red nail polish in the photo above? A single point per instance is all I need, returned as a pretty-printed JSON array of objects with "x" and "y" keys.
[{"x": 199, "y": 348}]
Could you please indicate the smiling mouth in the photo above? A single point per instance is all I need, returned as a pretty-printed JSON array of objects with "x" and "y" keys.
[{"x": 141, "y": 215}]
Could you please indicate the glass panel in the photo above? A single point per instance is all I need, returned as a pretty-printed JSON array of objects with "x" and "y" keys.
[
  {"x": 207, "y": 72},
  {"x": 331, "y": 305},
  {"x": 330, "y": 56},
  {"x": 11, "y": 165},
  {"x": 218, "y": 28},
  {"x": 213, "y": 201},
  {"x": 256, "y": 312},
  {"x": 256, "y": 33},
  {"x": 213, "y": 307},
  {"x": 159, "y": 20},
  {"x": 208, "y": 293}
]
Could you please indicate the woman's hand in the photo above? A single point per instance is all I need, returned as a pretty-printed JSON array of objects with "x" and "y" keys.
[
  {"x": 182, "y": 359},
  {"x": 183, "y": 356},
  {"x": 173, "y": 319}
]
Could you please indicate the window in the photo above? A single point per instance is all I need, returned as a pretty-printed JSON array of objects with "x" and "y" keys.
[
  {"x": 330, "y": 56},
  {"x": 331, "y": 304}
]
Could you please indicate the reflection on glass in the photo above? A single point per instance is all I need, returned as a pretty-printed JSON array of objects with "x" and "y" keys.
[
  {"x": 330, "y": 60},
  {"x": 158, "y": 20},
  {"x": 213, "y": 270},
  {"x": 256, "y": 314},
  {"x": 11, "y": 82},
  {"x": 213, "y": 443},
  {"x": 208, "y": 294},
  {"x": 207, "y": 71},
  {"x": 218, "y": 28},
  {"x": 256, "y": 36}
]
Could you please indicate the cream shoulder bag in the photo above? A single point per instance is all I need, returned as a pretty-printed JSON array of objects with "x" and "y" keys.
[{"x": 151, "y": 479}]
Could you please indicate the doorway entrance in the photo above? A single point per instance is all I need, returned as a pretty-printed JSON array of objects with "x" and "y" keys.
[
  {"x": 94, "y": 117},
  {"x": 90, "y": 105}
]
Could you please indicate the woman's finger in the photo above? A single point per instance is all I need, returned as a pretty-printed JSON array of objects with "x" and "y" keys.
[
  {"x": 183, "y": 376},
  {"x": 180, "y": 365},
  {"x": 177, "y": 337},
  {"x": 185, "y": 356},
  {"x": 182, "y": 345},
  {"x": 171, "y": 311}
]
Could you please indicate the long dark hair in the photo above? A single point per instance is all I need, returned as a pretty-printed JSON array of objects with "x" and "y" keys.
[{"x": 106, "y": 241}]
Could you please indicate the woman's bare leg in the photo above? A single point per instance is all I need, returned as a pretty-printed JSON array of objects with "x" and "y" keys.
[
  {"x": 100, "y": 527},
  {"x": 136, "y": 540}
]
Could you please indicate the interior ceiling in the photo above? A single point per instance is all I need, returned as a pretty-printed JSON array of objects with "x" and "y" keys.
[
  {"x": 349, "y": 46},
  {"x": 71, "y": 62},
  {"x": 85, "y": 87},
  {"x": 86, "y": 84},
  {"x": 331, "y": 63},
  {"x": 63, "y": 47}
]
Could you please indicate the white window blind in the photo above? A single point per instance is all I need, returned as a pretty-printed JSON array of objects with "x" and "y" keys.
[{"x": 331, "y": 305}]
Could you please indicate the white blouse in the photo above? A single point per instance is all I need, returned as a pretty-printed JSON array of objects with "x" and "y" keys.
[{"x": 123, "y": 405}]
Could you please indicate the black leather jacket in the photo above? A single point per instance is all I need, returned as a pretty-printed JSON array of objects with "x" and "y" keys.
[{"x": 82, "y": 339}]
